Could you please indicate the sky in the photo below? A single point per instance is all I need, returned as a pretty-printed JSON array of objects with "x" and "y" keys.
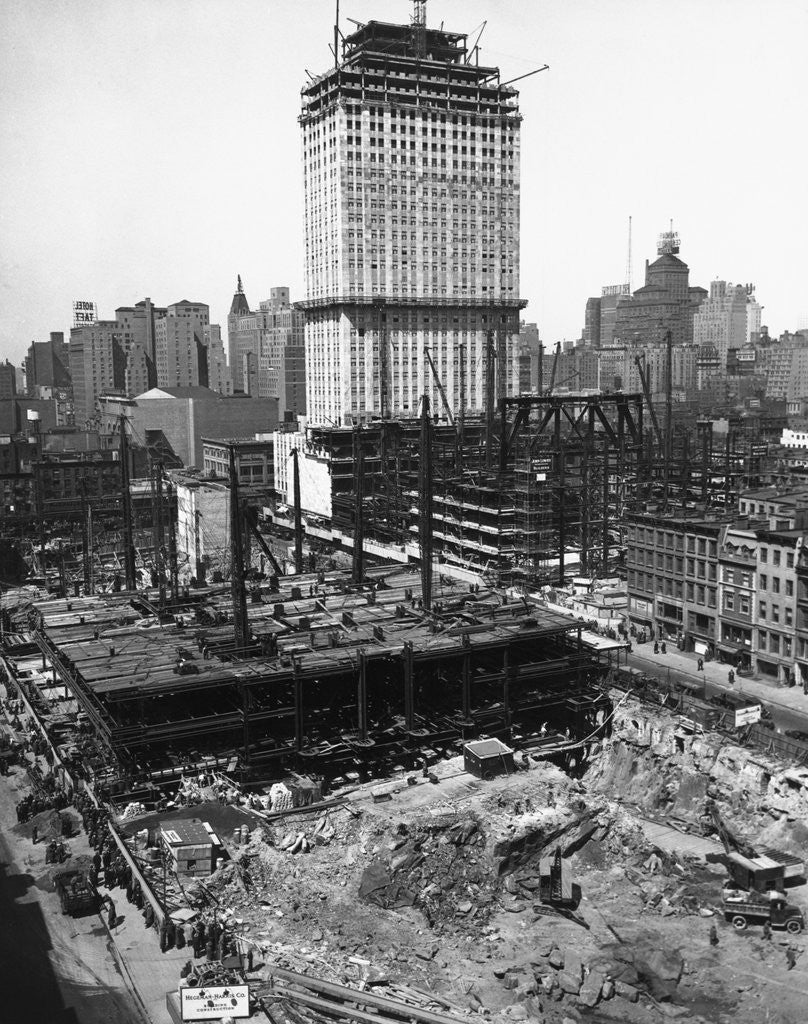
[{"x": 151, "y": 147}]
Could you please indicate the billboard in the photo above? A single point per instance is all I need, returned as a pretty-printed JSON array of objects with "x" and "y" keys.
[
  {"x": 84, "y": 312},
  {"x": 215, "y": 1001}
]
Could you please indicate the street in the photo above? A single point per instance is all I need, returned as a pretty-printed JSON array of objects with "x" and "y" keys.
[
  {"x": 784, "y": 705},
  {"x": 54, "y": 969}
]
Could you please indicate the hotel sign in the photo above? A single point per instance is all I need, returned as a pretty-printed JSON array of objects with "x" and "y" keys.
[{"x": 84, "y": 312}]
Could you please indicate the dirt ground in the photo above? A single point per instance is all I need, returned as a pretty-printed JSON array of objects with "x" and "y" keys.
[{"x": 437, "y": 888}]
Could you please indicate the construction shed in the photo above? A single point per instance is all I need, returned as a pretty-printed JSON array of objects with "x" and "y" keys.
[
  {"x": 191, "y": 847},
  {"x": 487, "y": 758}
]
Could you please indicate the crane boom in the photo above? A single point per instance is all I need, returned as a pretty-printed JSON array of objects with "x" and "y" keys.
[{"x": 439, "y": 385}]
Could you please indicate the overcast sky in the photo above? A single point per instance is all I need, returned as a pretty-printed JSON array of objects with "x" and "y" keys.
[{"x": 151, "y": 147}]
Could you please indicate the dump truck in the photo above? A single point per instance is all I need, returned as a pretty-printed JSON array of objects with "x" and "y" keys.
[
  {"x": 745, "y": 908},
  {"x": 76, "y": 895}
]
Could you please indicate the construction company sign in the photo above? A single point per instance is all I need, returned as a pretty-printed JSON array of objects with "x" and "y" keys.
[
  {"x": 84, "y": 312},
  {"x": 747, "y": 715},
  {"x": 214, "y": 1002}
]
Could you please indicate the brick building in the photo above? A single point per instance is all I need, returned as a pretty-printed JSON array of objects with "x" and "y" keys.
[{"x": 735, "y": 588}]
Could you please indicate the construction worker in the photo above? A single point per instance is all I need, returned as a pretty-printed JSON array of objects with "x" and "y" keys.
[
  {"x": 112, "y": 916},
  {"x": 713, "y": 935},
  {"x": 791, "y": 958},
  {"x": 767, "y": 931}
]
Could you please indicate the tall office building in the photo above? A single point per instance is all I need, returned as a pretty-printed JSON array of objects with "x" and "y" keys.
[
  {"x": 8, "y": 380},
  {"x": 47, "y": 364},
  {"x": 219, "y": 379},
  {"x": 267, "y": 347},
  {"x": 136, "y": 329},
  {"x": 97, "y": 367},
  {"x": 666, "y": 302},
  {"x": 182, "y": 359},
  {"x": 242, "y": 344},
  {"x": 411, "y": 175},
  {"x": 727, "y": 318}
]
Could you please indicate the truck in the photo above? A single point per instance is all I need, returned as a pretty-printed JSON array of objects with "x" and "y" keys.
[
  {"x": 76, "y": 895},
  {"x": 744, "y": 908}
]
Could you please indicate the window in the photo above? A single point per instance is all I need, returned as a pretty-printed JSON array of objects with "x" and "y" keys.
[
  {"x": 762, "y": 609},
  {"x": 764, "y": 555},
  {"x": 775, "y": 557},
  {"x": 764, "y": 581},
  {"x": 729, "y": 601},
  {"x": 775, "y": 584},
  {"x": 789, "y": 588},
  {"x": 775, "y": 613},
  {"x": 763, "y": 638},
  {"x": 790, "y": 559},
  {"x": 743, "y": 604},
  {"x": 789, "y": 617}
]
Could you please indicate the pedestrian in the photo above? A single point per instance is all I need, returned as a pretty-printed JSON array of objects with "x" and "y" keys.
[
  {"x": 148, "y": 915},
  {"x": 731, "y": 677},
  {"x": 113, "y": 916},
  {"x": 713, "y": 935},
  {"x": 250, "y": 959},
  {"x": 656, "y": 647},
  {"x": 179, "y": 936},
  {"x": 767, "y": 931},
  {"x": 701, "y": 664},
  {"x": 663, "y": 647},
  {"x": 791, "y": 958},
  {"x": 164, "y": 936}
]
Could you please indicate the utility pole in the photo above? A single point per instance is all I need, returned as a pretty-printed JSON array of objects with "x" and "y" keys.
[
  {"x": 298, "y": 512},
  {"x": 86, "y": 538},
  {"x": 461, "y": 411},
  {"x": 359, "y": 486},
  {"x": 668, "y": 414},
  {"x": 126, "y": 500},
  {"x": 172, "y": 542},
  {"x": 425, "y": 502},
  {"x": 237, "y": 587},
  {"x": 490, "y": 400},
  {"x": 158, "y": 532}
]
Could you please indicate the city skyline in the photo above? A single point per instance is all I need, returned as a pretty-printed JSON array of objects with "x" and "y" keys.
[{"x": 184, "y": 167}]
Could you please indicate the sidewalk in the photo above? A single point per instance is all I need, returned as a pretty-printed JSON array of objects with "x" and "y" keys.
[
  {"x": 150, "y": 972},
  {"x": 715, "y": 674}
]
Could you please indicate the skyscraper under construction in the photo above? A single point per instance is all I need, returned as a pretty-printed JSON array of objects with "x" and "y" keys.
[{"x": 411, "y": 171}]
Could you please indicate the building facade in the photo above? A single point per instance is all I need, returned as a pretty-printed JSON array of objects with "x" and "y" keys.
[
  {"x": 731, "y": 588},
  {"x": 725, "y": 317},
  {"x": 182, "y": 359},
  {"x": 666, "y": 302},
  {"x": 97, "y": 367},
  {"x": 411, "y": 186}
]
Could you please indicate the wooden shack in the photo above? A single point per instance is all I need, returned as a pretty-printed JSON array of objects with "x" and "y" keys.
[
  {"x": 191, "y": 847},
  {"x": 487, "y": 758}
]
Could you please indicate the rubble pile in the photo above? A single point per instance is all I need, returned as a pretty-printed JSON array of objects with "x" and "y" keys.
[{"x": 439, "y": 866}]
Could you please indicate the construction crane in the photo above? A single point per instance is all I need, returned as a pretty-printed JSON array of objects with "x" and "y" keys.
[
  {"x": 646, "y": 390},
  {"x": 555, "y": 367},
  {"x": 439, "y": 385}
]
